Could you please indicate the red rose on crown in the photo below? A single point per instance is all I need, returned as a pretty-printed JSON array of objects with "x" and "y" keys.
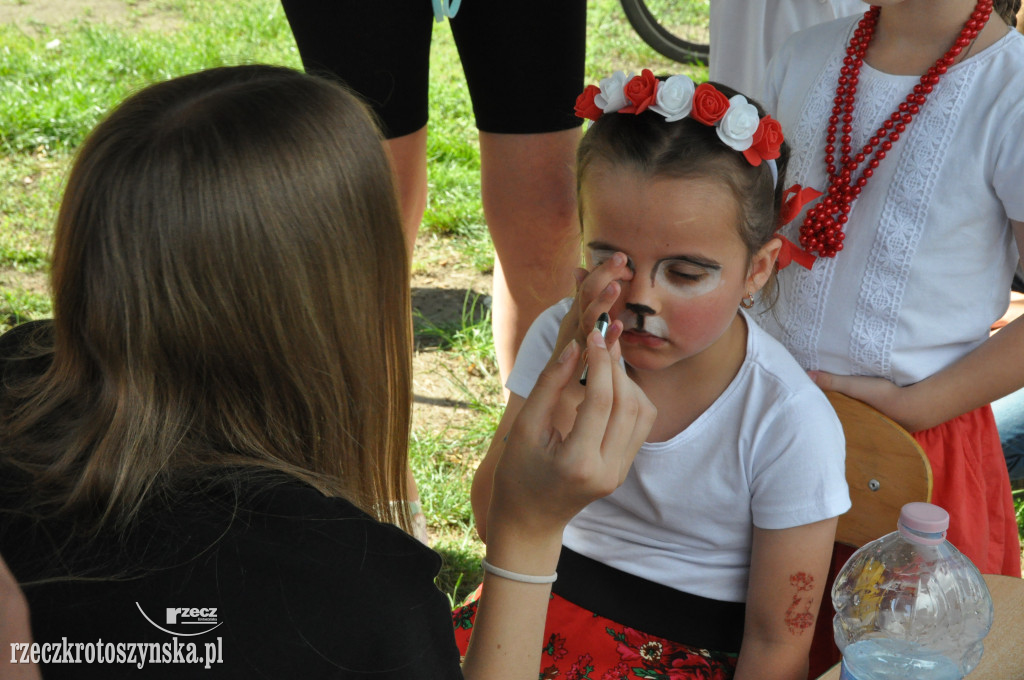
[
  {"x": 585, "y": 106},
  {"x": 709, "y": 105},
  {"x": 767, "y": 140},
  {"x": 641, "y": 92}
]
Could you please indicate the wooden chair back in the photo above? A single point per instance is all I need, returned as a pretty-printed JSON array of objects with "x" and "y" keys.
[{"x": 885, "y": 469}]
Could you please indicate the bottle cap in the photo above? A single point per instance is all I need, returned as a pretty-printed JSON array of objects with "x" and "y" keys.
[{"x": 923, "y": 523}]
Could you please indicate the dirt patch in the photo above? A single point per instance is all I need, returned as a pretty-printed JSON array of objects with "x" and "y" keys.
[
  {"x": 35, "y": 283},
  {"x": 31, "y": 15},
  {"x": 447, "y": 294}
]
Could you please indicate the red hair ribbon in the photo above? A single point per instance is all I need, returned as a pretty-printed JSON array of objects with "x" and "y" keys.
[
  {"x": 791, "y": 252},
  {"x": 793, "y": 201}
]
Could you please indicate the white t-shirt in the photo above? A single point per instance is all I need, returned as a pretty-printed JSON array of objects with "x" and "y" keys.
[
  {"x": 929, "y": 253},
  {"x": 746, "y": 33},
  {"x": 769, "y": 452}
]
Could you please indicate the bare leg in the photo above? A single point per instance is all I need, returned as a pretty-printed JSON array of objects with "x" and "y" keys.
[
  {"x": 528, "y": 186},
  {"x": 419, "y": 520},
  {"x": 409, "y": 160}
]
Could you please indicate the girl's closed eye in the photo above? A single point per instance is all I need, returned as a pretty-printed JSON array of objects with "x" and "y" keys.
[
  {"x": 685, "y": 275},
  {"x": 688, "y": 279}
]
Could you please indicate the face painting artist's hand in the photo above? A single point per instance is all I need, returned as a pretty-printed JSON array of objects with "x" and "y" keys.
[
  {"x": 540, "y": 482},
  {"x": 596, "y": 292},
  {"x": 543, "y": 479}
]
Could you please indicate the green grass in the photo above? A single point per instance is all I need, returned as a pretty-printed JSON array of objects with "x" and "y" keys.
[
  {"x": 1018, "y": 506},
  {"x": 52, "y": 96},
  {"x": 440, "y": 464},
  {"x": 18, "y": 306},
  {"x": 29, "y": 193},
  {"x": 58, "y": 82},
  {"x": 444, "y": 462}
]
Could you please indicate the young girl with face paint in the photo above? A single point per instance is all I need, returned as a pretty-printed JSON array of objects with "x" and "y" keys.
[{"x": 710, "y": 560}]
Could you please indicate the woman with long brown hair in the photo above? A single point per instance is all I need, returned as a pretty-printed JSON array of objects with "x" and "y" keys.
[{"x": 213, "y": 426}]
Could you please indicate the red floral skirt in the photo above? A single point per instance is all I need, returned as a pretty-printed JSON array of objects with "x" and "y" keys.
[{"x": 588, "y": 638}]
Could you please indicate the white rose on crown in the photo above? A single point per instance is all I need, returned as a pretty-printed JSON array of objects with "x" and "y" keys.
[
  {"x": 738, "y": 125},
  {"x": 674, "y": 98},
  {"x": 613, "y": 95}
]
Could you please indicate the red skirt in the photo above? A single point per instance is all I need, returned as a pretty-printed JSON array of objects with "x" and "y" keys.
[
  {"x": 971, "y": 482},
  {"x": 586, "y": 638}
]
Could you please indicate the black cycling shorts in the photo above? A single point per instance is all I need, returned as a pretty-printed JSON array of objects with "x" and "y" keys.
[{"x": 524, "y": 67}]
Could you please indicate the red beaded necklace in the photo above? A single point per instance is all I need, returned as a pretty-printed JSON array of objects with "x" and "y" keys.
[{"x": 822, "y": 229}]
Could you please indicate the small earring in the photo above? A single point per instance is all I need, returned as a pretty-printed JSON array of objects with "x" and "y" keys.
[{"x": 747, "y": 302}]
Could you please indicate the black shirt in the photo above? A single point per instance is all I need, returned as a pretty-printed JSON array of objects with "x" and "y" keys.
[{"x": 263, "y": 575}]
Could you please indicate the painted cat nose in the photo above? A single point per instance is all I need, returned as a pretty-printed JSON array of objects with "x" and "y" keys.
[{"x": 639, "y": 310}]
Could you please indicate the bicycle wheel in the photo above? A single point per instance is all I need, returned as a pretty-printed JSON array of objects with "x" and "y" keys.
[{"x": 677, "y": 29}]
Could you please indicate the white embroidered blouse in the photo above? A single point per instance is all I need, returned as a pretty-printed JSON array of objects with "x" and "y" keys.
[{"x": 929, "y": 253}]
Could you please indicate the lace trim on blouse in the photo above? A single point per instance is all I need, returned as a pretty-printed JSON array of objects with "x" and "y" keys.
[{"x": 803, "y": 292}]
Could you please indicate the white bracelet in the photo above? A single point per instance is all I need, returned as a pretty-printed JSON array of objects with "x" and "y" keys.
[{"x": 516, "y": 576}]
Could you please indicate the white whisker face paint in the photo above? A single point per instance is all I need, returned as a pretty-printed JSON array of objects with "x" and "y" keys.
[
  {"x": 628, "y": 319},
  {"x": 656, "y": 326}
]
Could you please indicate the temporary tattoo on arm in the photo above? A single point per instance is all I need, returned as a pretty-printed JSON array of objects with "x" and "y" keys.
[{"x": 799, "y": 616}]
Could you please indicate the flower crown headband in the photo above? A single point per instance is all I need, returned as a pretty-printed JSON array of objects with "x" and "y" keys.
[
  {"x": 734, "y": 118},
  {"x": 736, "y": 121}
]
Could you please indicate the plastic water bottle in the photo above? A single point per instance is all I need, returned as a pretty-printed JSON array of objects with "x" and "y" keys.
[{"x": 909, "y": 605}]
